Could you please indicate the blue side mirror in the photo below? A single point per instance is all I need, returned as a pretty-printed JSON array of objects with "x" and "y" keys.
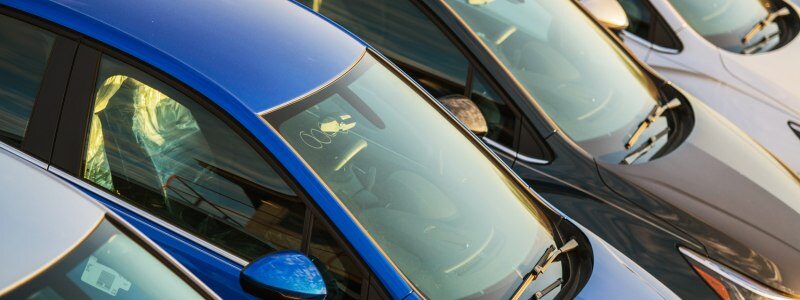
[{"x": 283, "y": 274}]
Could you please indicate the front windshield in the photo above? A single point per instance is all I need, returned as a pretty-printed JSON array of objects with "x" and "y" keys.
[
  {"x": 451, "y": 220},
  {"x": 107, "y": 265},
  {"x": 724, "y": 23},
  {"x": 587, "y": 84}
]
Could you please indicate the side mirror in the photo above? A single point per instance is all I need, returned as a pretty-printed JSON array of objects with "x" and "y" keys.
[
  {"x": 283, "y": 275},
  {"x": 608, "y": 12},
  {"x": 467, "y": 112}
]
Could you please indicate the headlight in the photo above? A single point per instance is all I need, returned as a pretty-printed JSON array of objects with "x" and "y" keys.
[{"x": 727, "y": 283}]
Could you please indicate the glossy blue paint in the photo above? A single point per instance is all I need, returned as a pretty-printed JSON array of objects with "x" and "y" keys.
[
  {"x": 287, "y": 272},
  {"x": 242, "y": 74}
]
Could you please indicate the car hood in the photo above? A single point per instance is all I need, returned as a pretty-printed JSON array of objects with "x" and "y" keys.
[
  {"x": 734, "y": 197},
  {"x": 613, "y": 272},
  {"x": 774, "y": 73}
]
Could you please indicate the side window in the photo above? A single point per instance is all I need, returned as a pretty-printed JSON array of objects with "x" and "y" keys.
[
  {"x": 646, "y": 23},
  {"x": 24, "y": 52},
  {"x": 342, "y": 275},
  {"x": 161, "y": 151},
  {"x": 404, "y": 34},
  {"x": 639, "y": 17}
]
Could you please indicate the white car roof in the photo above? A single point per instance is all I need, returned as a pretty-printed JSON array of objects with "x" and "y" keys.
[{"x": 41, "y": 219}]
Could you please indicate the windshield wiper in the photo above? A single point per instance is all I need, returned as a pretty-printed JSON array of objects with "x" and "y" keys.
[
  {"x": 769, "y": 19},
  {"x": 547, "y": 258},
  {"x": 540, "y": 294},
  {"x": 760, "y": 45},
  {"x": 647, "y": 146},
  {"x": 651, "y": 118}
]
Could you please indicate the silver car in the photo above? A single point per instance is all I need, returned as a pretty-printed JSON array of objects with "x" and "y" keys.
[{"x": 58, "y": 244}]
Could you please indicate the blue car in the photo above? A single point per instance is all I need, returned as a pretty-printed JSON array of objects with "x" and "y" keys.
[{"x": 275, "y": 155}]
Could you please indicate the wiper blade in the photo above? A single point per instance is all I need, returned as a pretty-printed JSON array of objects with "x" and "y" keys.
[
  {"x": 651, "y": 118},
  {"x": 769, "y": 19},
  {"x": 761, "y": 44},
  {"x": 547, "y": 258},
  {"x": 651, "y": 142}
]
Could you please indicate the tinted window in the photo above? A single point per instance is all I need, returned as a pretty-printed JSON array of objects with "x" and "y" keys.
[
  {"x": 499, "y": 118},
  {"x": 648, "y": 24},
  {"x": 165, "y": 153},
  {"x": 639, "y": 17},
  {"x": 24, "y": 51},
  {"x": 343, "y": 276},
  {"x": 107, "y": 265}
]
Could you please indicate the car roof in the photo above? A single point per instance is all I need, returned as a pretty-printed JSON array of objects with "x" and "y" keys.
[
  {"x": 264, "y": 53},
  {"x": 41, "y": 219}
]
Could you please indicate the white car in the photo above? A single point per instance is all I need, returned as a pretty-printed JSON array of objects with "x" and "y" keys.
[
  {"x": 59, "y": 244},
  {"x": 741, "y": 57}
]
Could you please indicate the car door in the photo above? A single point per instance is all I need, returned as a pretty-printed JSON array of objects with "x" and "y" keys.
[{"x": 185, "y": 174}]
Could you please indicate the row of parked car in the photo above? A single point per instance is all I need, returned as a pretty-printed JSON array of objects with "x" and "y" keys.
[{"x": 404, "y": 149}]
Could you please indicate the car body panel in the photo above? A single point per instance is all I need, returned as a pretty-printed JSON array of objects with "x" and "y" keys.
[
  {"x": 221, "y": 271},
  {"x": 392, "y": 281},
  {"x": 756, "y": 92},
  {"x": 32, "y": 213},
  {"x": 52, "y": 233},
  {"x": 758, "y": 230}
]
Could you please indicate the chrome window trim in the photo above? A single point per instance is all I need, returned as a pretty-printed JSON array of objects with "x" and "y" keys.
[
  {"x": 39, "y": 163},
  {"x": 505, "y": 150},
  {"x": 633, "y": 37},
  {"x": 733, "y": 276},
  {"x": 210, "y": 247}
]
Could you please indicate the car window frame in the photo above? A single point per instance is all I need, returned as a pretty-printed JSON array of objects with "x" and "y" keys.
[
  {"x": 61, "y": 151},
  {"x": 656, "y": 20},
  {"x": 40, "y": 133}
]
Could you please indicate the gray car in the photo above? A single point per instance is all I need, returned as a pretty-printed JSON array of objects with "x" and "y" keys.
[{"x": 58, "y": 244}]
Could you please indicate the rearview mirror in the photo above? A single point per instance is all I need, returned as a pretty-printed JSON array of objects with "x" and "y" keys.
[
  {"x": 467, "y": 112},
  {"x": 608, "y": 12},
  {"x": 283, "y": 275}
]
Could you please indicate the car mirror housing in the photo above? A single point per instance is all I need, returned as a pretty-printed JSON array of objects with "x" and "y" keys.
[
  {"x": 467, "y": 112},
  {"x": 608, "y": 12},
  {"x": 283, "y": 275}
]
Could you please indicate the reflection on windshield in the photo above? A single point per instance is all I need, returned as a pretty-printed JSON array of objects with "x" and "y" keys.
[
  {"x": 446, "y": 215},
  {"x": 587, "y": 84},
  {"x": 726, "y": 22},
  {"x": 107, "y": 265}
]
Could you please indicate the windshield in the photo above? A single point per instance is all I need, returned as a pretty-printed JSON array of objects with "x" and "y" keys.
[
  {"x": 107, "y": 265},
  {"x": 452, "y": 221},
  {"x": 587, "y": 84},
  {"x": 724, "y": 23}
]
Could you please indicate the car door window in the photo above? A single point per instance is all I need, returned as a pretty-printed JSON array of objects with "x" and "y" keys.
[
  {"x": 24, "y": 52},
  {"x": 402, "y": 32},
  {"x": 343, "y": 276},
  {"x": 646, "y": 23},
  {"x": 159, "y": 150}
]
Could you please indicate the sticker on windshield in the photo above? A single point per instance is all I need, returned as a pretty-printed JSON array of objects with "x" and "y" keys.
[{"x": 104, "y": 278}]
